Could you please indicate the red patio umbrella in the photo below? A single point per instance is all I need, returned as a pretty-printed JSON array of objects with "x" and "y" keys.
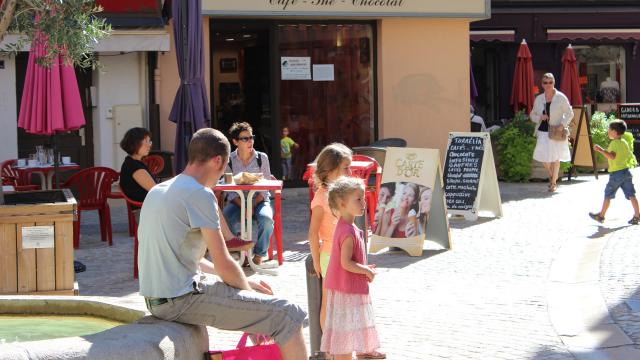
[
  {"x": 50, "y": 98},
  {"x": 569, "y": 81},
  {"x": 522, "y": 89}
]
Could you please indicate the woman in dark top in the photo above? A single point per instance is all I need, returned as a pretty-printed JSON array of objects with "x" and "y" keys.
[{"x": 135, "y": 178}]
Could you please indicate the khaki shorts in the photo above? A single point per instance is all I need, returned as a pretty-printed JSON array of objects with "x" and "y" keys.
[{"x": 224, "y": 307}]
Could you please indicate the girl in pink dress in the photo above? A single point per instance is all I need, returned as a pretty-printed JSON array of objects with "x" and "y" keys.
[{"x": 349, "y": 324}]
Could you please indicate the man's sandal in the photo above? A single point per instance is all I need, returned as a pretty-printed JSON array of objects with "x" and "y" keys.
[
  {"x": 597, "y": 217},
  {"x": 634, "y": 220}
]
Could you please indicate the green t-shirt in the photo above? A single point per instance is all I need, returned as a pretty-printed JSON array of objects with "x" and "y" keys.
[
  {"x": 623, "y": 155},
  {"x": 285, "y": 147}
]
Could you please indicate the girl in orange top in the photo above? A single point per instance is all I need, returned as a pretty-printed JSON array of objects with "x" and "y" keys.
[{"x": 332, "y": 162}]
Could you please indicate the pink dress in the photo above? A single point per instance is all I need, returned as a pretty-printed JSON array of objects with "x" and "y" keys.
[{"x": 349, "y": 325}]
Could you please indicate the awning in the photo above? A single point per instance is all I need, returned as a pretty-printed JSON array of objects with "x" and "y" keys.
[
  {"x": 135, "y": 40},
  {"x": 593, "y": 34},
  {"x": 120, "y": 40},
  {"x": 493, "y": 35}
]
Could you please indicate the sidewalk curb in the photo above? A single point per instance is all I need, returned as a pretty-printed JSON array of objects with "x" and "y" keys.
[{"x": 576, "y": 307}]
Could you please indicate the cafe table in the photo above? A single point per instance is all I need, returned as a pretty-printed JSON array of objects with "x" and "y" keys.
[
  {"x": 45, "y": 171},
  {"x": 246, "y": 215}
]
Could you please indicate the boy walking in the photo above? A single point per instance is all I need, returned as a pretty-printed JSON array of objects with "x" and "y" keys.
[
  {"x": 286, "y": 145},
  {"x": 620, "y": 160}
]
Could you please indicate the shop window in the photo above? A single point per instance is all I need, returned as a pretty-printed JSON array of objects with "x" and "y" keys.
[{"x": 601, "y": 70}]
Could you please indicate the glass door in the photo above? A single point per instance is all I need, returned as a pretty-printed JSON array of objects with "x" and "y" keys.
[{"x": 326, "y": 86}]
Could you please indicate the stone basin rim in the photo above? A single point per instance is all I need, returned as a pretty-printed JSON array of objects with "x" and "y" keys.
[{"x": 65, "y": 305}]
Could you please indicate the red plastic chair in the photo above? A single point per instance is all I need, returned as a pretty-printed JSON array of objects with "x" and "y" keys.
[
  {"x": 131, "y": 205},
  {"x": 93, "y": 185},
  {"x": 155, "y": 163},
  {"x": 371, "y": 191},
  {"x": 11, "y": 176},
  {"x": 119, "y": 195}
]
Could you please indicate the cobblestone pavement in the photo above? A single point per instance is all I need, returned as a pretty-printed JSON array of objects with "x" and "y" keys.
[{"x": 485, "y": 299}]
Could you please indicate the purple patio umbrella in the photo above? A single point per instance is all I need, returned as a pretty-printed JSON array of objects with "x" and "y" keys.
[{"x": 190, "y": 109}]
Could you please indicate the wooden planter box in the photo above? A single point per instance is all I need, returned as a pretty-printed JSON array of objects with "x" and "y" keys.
[{"x": 36, "y": 243}]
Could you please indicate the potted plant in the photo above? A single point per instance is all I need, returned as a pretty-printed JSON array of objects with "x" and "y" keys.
[{"x": 514, "y": 144}]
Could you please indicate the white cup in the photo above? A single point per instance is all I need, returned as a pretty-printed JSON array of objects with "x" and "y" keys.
[
  {"x": 33, "y": 162},
  {"x": 22, "y": 162},
  {"x": 66, "y": 160}
]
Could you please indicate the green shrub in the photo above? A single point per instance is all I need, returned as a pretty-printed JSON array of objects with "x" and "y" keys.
[
  {"x": 515, "y": 144},
  {"x": 628, "y": 138},
  {"x": 599, "y": 131}
]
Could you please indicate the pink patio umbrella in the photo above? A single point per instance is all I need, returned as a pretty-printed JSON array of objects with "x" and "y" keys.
[
  {"x": 50, "y": 99},
  {"x": 569, "y": 81},
  {"x": 522, "y": 89}
]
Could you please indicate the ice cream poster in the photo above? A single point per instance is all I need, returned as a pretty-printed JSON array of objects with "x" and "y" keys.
[{"x": 411, "y": 185}]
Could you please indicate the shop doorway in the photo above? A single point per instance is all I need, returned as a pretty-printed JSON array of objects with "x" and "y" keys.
[
  {"x": 251, "y": 82},
  {"x": 485, "y": 71}
]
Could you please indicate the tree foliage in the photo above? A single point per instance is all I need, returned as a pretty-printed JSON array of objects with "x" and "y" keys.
[{"x": 69, "y": 28}]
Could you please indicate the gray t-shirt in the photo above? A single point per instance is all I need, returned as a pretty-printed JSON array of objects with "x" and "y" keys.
[{"x": 170, "y": 242}]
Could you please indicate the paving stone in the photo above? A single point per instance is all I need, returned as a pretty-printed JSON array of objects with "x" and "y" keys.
[{"x": 485, "y": 299}]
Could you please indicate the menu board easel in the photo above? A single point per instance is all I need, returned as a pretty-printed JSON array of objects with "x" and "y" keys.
[
  {"x": 414, "y": 209},
  {"x": 582, "y": 154},
  {"x": 470, "y": 178}
]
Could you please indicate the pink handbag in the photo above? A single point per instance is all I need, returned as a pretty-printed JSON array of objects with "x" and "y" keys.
[{"x": 267, "y": 350}]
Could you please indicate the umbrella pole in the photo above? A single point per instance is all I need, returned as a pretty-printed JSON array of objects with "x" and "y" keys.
[{"x": 54, "y": 143}]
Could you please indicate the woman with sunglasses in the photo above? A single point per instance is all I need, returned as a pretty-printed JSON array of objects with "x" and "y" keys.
[
  {"x": 551, "y": 108},
  {"x": 246, "y": 159}
]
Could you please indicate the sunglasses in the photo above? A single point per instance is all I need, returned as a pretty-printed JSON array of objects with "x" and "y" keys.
[
  {"x": 547, "y": 83},
  {"x": 247, "y": 138}
]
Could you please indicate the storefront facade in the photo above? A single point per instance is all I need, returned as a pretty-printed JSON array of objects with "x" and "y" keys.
[
  {"x": 347, "y": 71},
  {"x": 123, "y": 81},
  {"x": 605, "y": 39}
]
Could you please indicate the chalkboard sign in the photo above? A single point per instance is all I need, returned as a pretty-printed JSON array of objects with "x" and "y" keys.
[
  {"x": 462, "y": 171},
  {"x": 470, "y": 179},
  {"x": 629, "y": 112}
]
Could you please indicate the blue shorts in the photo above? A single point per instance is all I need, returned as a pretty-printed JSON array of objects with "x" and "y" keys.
[{"x": 620, "y": 179}]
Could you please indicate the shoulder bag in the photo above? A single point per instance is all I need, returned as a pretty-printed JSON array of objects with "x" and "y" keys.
[{"x": 558, "y": 132}]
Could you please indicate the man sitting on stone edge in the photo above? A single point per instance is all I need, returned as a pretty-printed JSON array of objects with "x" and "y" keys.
[{"x": 179, "y": 221}]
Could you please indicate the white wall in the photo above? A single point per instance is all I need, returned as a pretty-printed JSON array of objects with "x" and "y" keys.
[
  {"x": 121, "y": 81},
  {"x": 8, "y": 110}
]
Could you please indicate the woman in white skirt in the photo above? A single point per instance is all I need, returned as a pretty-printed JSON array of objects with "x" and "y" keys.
[{"x": 551, "y": 108}]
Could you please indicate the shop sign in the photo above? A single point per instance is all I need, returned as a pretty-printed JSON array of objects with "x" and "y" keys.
[
  {"x": 629, "y": 112},
  {"x": 295, "y": 67},
  {"x": 349, "y": 8}
]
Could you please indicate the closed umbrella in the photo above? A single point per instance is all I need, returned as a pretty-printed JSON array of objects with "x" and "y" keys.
[
  {"x": 50, "y": 98},
  {"x": 569, "y": 81},
  {"x": 190, "y": 109},
  {"x": 522, "y": 88}
]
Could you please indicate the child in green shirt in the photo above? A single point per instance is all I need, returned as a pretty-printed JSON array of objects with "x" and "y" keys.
[
  {"x": 286, "y": 144},
  {"x": 620, "y": 161}
]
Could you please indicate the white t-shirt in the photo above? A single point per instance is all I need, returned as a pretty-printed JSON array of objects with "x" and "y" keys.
[{"x": 170, "y": 241}]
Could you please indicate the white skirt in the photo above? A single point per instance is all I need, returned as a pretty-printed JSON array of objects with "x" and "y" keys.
[{"x": 548, "y": 150}]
